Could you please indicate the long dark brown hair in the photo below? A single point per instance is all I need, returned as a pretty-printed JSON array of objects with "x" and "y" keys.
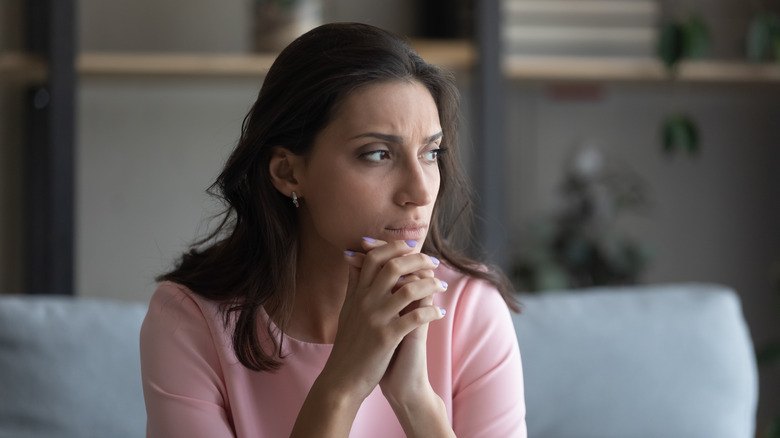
[{"x": 249, "y": 260}]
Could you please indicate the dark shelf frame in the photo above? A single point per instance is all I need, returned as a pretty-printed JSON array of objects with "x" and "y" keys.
[
  {"x": 49, "y": 175},
  {"x": 490, "y": 184}
]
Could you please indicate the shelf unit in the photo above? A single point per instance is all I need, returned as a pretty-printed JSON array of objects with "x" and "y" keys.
[
  {"x": 561, "y": 69},
  {"x": 453, "y": 55},
  {"x": 22, "y": 67},
  {"x": 51, "y": 68}
]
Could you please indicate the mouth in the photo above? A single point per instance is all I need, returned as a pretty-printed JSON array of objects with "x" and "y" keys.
[{"x": 407, "y": 231}]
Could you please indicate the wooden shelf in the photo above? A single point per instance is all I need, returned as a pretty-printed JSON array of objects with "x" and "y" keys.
[
  {"x": 453, "y": 55},
  {"x": 448, "y": 54},
  {"x": 22, "y": 67},
  {"x": 560, "y": 69},
  {"x": 172, "y": 64}
]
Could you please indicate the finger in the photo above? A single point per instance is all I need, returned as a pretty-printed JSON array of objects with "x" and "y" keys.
[
  {"x": 416, "y": 292},
  {"x": 377, "y": 258},
  {"x": 417, "y": 318},
  {"x": 397, "y": 267},
  {"x": 354, "y": 279},
  {"x": 354, "y": 258},
  {"x": 369, "y": 243},
  {"x": 424, "y": 302},
  {"x": 417, "y": 275}
]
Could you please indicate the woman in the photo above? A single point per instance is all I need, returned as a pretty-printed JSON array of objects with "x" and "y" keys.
[{"x": 330, "y": 301}]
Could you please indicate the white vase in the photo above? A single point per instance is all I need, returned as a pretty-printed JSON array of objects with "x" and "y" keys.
[{"x": 278, "y": 22}]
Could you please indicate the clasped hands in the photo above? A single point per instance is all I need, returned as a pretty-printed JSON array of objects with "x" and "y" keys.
[{"x": 383, "y": 324}]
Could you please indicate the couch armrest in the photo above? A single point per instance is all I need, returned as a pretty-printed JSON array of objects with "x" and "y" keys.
[
  {"x": 650, "y": 361},
  {"x": 70, "y": 367}
]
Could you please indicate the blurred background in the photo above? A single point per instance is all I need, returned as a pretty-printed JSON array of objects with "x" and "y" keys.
[{"x": 605, "y": 162}]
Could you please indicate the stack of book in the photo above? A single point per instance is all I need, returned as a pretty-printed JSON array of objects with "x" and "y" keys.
[{"x": 597, "y": 28}]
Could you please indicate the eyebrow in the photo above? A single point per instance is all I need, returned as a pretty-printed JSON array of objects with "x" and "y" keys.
[{"x": 397, "y": 138}]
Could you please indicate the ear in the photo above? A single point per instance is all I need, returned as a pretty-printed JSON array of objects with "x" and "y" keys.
[{"x": 283, "y": 167}]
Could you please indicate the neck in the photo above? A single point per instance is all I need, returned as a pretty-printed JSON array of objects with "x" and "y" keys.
[{"x": 321, "y": 285}]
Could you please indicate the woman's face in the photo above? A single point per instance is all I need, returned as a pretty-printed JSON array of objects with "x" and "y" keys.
[{"x": 373, "y": 171}]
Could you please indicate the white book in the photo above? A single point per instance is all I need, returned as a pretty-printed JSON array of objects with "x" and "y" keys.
[
  {"x": 582, "y": 12},
  {"x": 580, "y": 27}
]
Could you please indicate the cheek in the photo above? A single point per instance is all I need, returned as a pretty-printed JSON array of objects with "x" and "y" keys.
[{"x": 340, "y": 209}]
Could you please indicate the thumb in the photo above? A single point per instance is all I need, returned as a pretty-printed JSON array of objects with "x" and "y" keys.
[{"x": 354, "y": 262}]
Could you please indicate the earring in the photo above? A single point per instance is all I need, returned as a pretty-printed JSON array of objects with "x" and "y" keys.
[{"x": 295, "y": 200}]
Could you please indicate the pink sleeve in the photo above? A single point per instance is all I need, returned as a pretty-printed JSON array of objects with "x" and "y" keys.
[
  {"x": 180, "y": 368},
  {"x": 488, "y": 398}
]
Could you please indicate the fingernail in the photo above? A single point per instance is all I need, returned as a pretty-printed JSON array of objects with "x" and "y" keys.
[
  {"x": 411, "y": 243},
  {"x": 443, "y": 312},
  {"x": 444, "y": 284},
  {"x": 435, "y": 260},
  {"x": 350, "y": 253},
  {"x": 369, "y": 240}
]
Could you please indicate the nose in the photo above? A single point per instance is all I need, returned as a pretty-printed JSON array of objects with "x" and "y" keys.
[{"x": 417, "y": 184}]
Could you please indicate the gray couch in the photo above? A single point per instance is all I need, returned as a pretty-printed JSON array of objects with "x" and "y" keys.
[{"x": 661, "y": 361}]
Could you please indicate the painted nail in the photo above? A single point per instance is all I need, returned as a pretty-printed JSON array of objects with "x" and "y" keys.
[
  {"x": 411, "y": 243},
  {"x": 444, "y": 284},
  {"x": 443, "y": 312},
  {"x": 435, "y": 260},
  {"x": 369, "y": 240},
  {"x": 350, "y": 253}
]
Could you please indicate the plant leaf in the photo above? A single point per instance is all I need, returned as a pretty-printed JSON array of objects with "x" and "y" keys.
[
  {"x": 680, "y": 133},
  {"x": 696, "y": 37},
  {"x": 671, "y": 44},
  {"x": 762, "y": 35}
]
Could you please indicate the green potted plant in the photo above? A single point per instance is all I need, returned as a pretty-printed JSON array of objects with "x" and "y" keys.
[
  {"x": 579, "y": 245},
  {"x": 762, "y": 43},
  {"x": 680, "y": 39}
]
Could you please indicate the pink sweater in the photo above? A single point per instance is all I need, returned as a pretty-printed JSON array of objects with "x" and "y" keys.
[{"x": 195, "y": 387}]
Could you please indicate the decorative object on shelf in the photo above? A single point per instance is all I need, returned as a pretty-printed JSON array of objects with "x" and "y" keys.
[
  {"x": 680, "y": 133},
  {"x": 679, "y": 39},
  {"x": 763, "y": 38},
  {"x": 445, "y": 19},
  {"x": 580, "y": 27},
  {"x": 579, "y": 245},
  {"x": 278, "y": 22},
  {"x": 769, "y": 355},
  {"x": 683, "y": 39}
]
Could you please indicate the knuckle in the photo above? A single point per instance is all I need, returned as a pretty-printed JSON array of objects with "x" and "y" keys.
[
  {"x": 394, "y": 265},
  {"x": 418, "y": 316},
  {"x": 371, "y": 257},
  {"x": 406, "y": 293}
]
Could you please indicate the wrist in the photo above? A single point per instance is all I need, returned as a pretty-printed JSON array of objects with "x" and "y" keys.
[
  {"x": 337, "y": 393},
  {"x": 422, "y": 416},
  {"x": 328, "y": 411}
]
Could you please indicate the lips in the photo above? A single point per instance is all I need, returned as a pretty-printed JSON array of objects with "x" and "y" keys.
[{"x": 407, "y": 230}]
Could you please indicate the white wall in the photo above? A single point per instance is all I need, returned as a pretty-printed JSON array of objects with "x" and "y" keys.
[{"x": 714, "y": 216}]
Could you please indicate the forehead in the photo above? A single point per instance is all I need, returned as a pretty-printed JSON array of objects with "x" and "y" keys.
[{"x": 391, "y": 105}]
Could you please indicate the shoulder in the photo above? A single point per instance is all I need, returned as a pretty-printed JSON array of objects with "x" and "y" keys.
[
  {"x": 176, "y": 303},
  {"x": 469, "y": 294},
  {"x": 177, "y": 314}
]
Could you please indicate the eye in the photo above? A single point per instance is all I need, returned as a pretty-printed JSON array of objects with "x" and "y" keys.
[
  {"x": 432, "y": 155},
  {"x": 375, "y": 156}
]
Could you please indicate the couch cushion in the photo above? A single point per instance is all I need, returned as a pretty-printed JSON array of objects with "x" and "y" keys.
[
  {"x": 69, "y": 367},
  {"x": 654, "y": 361}
]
